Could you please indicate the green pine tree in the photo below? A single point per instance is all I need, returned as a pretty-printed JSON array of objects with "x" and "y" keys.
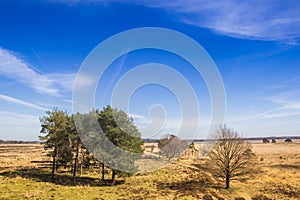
[{"x": 55, "y": 137}]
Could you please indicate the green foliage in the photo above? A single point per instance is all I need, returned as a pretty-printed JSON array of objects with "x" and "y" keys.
[
  {"x": 55, "y": 136},
  {"x": 53, "y": 127},
  {"x": 108, "y": 135},
  {"x": 119, "y": 130}
]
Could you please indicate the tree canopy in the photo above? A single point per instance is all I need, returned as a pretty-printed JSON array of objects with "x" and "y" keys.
[
  {"x": 231, "y": 156},
  {"x": 171, "y": 146},
  {"x": 108, "y": 134}
]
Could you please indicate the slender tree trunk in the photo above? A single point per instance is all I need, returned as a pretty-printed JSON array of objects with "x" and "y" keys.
[
  {"x": 102, "y": 172},
  {"x": 133, "y": 159},
  {"x": 82, "y": 159},
  {"x": 56, "y": 150},
  {"x": 53, "y": 168},
  {"x": 53, "y": 164},
  {"x": 76, "y": 161},
  {"x": 227, "y": 180},
  {"x": 113, "y": 176}
]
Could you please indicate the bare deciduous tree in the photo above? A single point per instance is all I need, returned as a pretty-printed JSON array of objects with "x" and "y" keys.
[{"x": 231, "y": 156}]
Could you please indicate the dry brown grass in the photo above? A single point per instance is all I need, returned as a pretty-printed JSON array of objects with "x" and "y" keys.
[
  {"x": 278, "y": 178},
  {"x": 280, "y": 165},
  {"x": 14, "y": 156}
]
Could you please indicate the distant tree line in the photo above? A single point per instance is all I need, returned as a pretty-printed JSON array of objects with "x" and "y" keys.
[
  {"x": 266, "y": 140},
  {"x": 62, "y": 139},
  {"x": 18, "y": 142}
]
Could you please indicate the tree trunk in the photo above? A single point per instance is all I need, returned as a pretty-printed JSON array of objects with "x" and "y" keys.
[
  {"x": 53, "y": 164},
  {"x": 76, "y": 161},
  {"x": 133, "y": 159},
  {"x": 102, "y": 172},
  {"x": 113, "y": 177},
  {"x": 227, "y": 180},
  {"x": 82, "y": 159}
]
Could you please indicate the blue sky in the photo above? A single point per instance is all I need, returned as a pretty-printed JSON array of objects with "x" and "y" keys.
[{"x": 255, "y": 45}]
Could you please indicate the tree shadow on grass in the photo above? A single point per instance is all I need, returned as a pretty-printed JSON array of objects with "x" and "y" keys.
[
  {"x": 40, "y": 175},
  {"x": 201, "y": 167},
  {"x": 286, "y": 166},
  {"x": 195, "y": 187},
  {"x": 42, "y": 164}
]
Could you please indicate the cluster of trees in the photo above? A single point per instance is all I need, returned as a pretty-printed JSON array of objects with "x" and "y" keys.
[
  {"x": 85, "y": 139},
  {"x": 171, "y": 146},
  {"x": 265, "y": 140},
  {"x": 80, "y": 139}
]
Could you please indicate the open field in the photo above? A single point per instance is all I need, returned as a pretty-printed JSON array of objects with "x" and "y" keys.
[{"x": 25, "y": 174}]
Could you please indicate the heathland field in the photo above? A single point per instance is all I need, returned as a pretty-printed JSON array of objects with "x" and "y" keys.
[{"x": 25, "y": 173}]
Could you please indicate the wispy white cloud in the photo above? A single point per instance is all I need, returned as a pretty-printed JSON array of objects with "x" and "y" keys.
[
  {"x": 274, "y": 113},
  {"x": 16, "y": 126},
  {"x": 278, "y": 100},
  {"x": 288, "y": 101},
  {"x": 260, "y": 20},
  {"x": 67, "y": 100},
  {"x": 9, "y": 118},
  {"x": 21, "y": 102},
  {"x": 285, "y": 104},
  {"x": 15, "y": 68},
  {"x": 137, "y": 116},
  {"x": 64, "y": 82},
  {"x": 83, "y": 81}
]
